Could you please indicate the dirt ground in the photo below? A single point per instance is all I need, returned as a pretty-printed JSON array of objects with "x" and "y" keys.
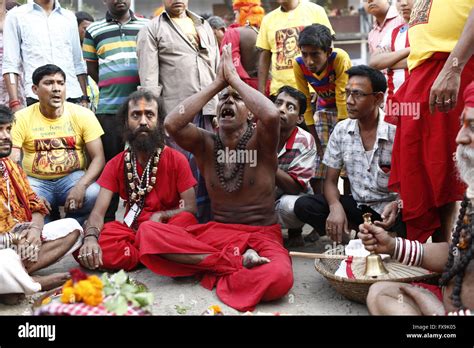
[{"x": 311, "y": 293}]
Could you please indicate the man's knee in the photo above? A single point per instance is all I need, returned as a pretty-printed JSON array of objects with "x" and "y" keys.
[
  {"x": 376, "y": 291},
  {"x": 41, "y": 189},
  {"x": 285, "y": 212},
  {"x": 91, "y": 195},
  {"x": 119, "y": 256},
  {"x": 280, "y": 281},
  {"x": 306, "y": 206}
]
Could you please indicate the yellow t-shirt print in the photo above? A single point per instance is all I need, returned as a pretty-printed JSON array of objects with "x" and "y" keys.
[
  {"x": 55, "y": 155},
  {"x": 286, "y": 47}
]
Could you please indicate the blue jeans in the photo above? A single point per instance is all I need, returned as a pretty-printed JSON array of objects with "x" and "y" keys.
[{"x": 55, "y": 191}]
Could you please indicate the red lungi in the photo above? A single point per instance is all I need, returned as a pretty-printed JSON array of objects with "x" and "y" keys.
[
  {"x": 434, "y": 289},
  {"x": 237, "y": 286},
  {"x": 423, "y": 167},
  {"x": 119, "y": 244}
]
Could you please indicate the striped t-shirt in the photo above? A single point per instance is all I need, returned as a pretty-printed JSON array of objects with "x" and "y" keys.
[
  {"x": 113, "y": 45},
  {"x": 298, "y": 157}
]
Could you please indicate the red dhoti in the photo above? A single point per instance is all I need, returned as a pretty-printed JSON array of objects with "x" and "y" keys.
[
  {"x": 237, "y": 286},
  {"x": 423, "y": 166},
  {"x": 119, "y": 243}
]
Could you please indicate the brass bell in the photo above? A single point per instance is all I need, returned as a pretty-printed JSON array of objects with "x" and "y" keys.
[{"x": 374, "y": 266}]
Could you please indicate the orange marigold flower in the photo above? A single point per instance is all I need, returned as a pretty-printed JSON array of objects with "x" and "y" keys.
[
  {"x": 68, "y": 295},
  {"x": 68, "y": 284},
  {"x": 96, "y": 282},
  {"x": 216, "y": 309},
  {"x": 89, "y": 294}
]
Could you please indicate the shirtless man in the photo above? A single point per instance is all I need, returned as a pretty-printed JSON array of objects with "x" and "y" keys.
[
  {"x": 241, "y": 252},
  {"x": 455, "y": 261}
]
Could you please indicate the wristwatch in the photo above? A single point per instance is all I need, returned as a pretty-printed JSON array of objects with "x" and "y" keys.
[{"x": 85, "y": 98}]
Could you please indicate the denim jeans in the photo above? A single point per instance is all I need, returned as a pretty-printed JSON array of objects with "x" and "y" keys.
[{"x": 55, "y": 191}]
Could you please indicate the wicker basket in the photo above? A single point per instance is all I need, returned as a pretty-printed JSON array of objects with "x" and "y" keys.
[{"x": 357, "y": 289}]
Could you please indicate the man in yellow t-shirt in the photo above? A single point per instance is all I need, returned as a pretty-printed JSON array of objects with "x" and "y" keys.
[
  {"x": 278, "y": 40},
  {"x": 426, "y": 111},
  {"x": 55, "y": 137}
]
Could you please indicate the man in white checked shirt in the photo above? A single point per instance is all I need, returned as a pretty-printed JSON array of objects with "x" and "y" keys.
[{"x": 363, "y": 144}]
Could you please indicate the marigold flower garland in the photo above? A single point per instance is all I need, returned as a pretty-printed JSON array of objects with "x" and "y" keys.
[{"x": 82, "y": 288}]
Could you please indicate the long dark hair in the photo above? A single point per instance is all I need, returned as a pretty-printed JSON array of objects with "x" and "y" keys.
[{"x": 457, "y": 269}]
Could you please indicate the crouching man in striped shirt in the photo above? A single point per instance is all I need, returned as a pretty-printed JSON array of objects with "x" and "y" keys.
[{"x": 296, "y": 161}]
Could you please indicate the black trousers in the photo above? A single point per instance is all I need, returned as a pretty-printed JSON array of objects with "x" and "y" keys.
[
  {"x": 113, "y": 144},
  {"x": 314, "y": 210}
]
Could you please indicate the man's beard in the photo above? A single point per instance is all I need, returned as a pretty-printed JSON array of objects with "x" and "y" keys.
[
  {"x": 465, "y": 164},
  {"x": 145, "y": 143},
  {"x": 5, "y": 153}
]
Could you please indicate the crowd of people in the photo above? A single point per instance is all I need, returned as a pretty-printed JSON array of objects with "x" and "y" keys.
[{"x": 217, "y": 137}]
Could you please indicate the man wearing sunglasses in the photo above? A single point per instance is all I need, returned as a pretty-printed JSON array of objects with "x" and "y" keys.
[{"x": 363, "y": 143}]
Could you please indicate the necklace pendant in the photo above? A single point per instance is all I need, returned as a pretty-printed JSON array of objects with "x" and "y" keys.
[
  {"x": 153, "y": 180},
  {"x": 129, "y": 176},
  {"x": 154, "y": 170},
  {"x": 149, "y": 188},
  {"x": 129, "y": 166},
  {"x": 132, "y": 186},
  {"x": 155, "y": 160},
  {"x": 134, "y": 196},
  {"x": 127, "y": 157},
  {"x": 141, "y": 192}
]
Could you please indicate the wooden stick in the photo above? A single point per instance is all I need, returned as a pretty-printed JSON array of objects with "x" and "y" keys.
[{"x": 317, "y": 256}]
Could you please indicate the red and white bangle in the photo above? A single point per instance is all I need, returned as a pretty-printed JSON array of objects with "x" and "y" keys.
[{"x": 408, "y": 252}]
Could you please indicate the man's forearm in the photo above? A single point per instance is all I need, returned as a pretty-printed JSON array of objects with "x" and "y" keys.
[
  {"x": 94, "y": 225},
  {"x": 464, "y": 48},
  {"x": 92, "y": 173},
  {"x": 286, "y": 183},
  {"x": 171, "y": 213},
  {"x": 401, "y": 64},
  {"x": 11, "y": 84},
  {"x": 387, "y": 60},
  {"x": 331, "y": 193},
  {"x": 263, "y": 69},
  {"x": 83, "y": 82},
  {"x": 38, "y": 220},
  {"x": 185, "y": 112}
]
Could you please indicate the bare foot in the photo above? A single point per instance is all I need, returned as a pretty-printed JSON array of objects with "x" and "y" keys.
[
  {"x": 51, "y": 281},
  {"x": 11, "y": 299},
  {"x": 252, "y": 259}
]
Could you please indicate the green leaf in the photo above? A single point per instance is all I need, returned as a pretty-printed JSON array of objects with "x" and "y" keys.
[
  {"x": 119, "y": 278},
  {"x": 181, "y": 310},
  {"x": 127, "y": 289},
  {"x": 144, "y": 299},
  {"x": 117, "y": 305}
]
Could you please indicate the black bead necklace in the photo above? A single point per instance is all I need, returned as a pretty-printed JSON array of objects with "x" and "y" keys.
[{"x": 237, "y": 173}]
